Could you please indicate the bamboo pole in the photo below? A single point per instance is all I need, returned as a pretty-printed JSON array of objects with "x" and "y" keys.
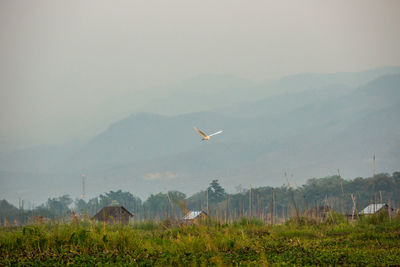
[
  {"x": 250, "y": 202},
  {"x": 354, "y": 206},
  {"x": 227, "y": 209},
  {"x": 373, "y": 182},
  {"x": 273, "y": 207},
  {"x": 294, "y": 202},
  {"x": 242, "y": 212},
  {"x": 341, "y": 188},
  {"x": 208, "y": 211}
]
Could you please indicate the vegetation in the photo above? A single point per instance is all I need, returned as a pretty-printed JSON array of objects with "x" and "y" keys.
[
  {"x": 260, "y": 226},
  {"x": 266, "y": 203},
  {"x": 370, "y": 241}
]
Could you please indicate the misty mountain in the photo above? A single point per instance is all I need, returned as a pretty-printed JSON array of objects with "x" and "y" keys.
[
  {"x": 145, "y": 136},
  {"x": 211, "y": 91},
  {"x": 276, "y": 105},
  {"x": 305, "y": 81},
  {"x": 307, "y": 133},
  {"x": 38, "y": 158},
  {"x": 312, "y": 140}
]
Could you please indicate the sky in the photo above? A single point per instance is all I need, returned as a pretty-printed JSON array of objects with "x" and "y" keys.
[{"x": 60, "y": 61}]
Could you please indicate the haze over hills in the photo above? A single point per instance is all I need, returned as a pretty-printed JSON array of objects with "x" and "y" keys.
[
  {"x": 210, "y": 91},
  {"x": 309, "y": 126}
]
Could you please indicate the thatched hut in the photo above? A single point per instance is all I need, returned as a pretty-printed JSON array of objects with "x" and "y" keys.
[
  {"x": 113, "y": 214},
  {"x": 193, "y": 216}
]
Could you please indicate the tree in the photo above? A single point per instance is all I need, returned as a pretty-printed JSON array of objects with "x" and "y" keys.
[
  {"x": 125, "y": 199},
  {"x": 383, "y": 182},
  {"x": 396, "y": 177},
  {"x": 176, "y": 196},
  {"x": 215, "y": 192},
  {"x": 93, "y": 206},
  {"x": 60, "y": 205},
  {"x": 157, "y": 205},
  {"x": 11, "y": 213},
  {"x": 197, "y": 201},
  {"x": 81, "y": 206},
  {"x": 165, "y": 205}
]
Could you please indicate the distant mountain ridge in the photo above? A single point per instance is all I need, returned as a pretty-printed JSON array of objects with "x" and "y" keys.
[
  {"x": 209, "y": 92},
  {"x": 304, "y": 81}
]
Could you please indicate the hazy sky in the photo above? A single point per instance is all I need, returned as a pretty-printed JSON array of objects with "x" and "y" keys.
[{"x": 61, "y": 60}]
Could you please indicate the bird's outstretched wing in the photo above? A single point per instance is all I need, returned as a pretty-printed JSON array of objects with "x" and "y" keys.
[
  {"x": 200, "y": 132},
  {"x": 216, "y": 133}
]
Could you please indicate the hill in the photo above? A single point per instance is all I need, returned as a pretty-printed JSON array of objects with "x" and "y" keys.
[{"x": 306, "y": 133}]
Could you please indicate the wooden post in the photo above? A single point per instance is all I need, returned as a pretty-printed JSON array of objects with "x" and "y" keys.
[
  {"x": 354, "y": 206},
  {"x": 373, "y": 182},
  {"x": 273, "y": 207},
  {"x": 242, "y": 212},
  {"x": 208, "y": 211},
  {"x": 250, "y": 202},
  {"x": 341, "y": 188},
  {"x": 171, "y": 203},
  {"x": 227, "y": 209}
]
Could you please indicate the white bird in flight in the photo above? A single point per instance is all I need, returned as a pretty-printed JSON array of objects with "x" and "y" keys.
[{"x": 206, "y": 137}]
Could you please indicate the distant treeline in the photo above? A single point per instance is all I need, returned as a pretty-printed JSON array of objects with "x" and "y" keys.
[{"x": 267, "y": 203}]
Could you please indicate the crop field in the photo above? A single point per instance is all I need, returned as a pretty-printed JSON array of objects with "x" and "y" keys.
[{"x": 370, "y": 241}]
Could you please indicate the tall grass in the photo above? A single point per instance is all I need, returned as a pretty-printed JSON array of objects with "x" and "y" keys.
[{"x": 371, "y": 241}]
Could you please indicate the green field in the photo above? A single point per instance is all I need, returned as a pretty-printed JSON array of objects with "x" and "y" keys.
[{"x": 371, "y": 241}]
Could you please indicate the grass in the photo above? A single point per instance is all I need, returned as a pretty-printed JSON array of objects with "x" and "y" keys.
[{"x": 371, "y": 241}]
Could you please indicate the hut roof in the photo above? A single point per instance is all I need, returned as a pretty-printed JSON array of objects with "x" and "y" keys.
[
  {"x": 373, "y": 208},
  {"x": 193, "y": 215},
  {"x": 113, "y": 211}
]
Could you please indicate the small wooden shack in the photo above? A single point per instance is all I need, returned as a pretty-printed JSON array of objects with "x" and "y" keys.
[
  {"x": 375, "y": 208},
  {"x": 193, "y": 216},
  {"x": 113, "y": 214}
]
